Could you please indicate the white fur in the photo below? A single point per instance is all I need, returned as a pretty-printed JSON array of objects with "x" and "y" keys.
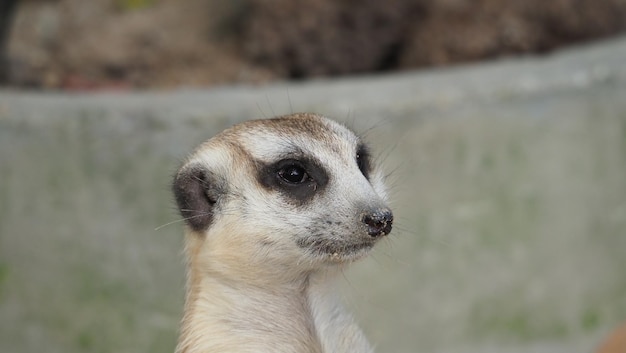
[{"x": 250, "y": 287}]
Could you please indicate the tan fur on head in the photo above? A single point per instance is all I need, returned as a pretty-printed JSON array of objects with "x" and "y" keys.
[{"x": 273, "y": 209}]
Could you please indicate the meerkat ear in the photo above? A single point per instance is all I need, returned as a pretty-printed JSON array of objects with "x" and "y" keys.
[{"x": 196, "y": 191}]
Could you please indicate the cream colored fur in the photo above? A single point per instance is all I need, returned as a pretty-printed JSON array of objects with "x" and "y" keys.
[{"x": 250, "y": 287}]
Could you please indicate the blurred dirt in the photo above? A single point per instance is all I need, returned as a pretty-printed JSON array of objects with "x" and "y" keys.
[{"x": 126, "y": 44}]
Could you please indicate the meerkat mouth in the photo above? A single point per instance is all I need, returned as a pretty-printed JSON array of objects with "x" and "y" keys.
[
  {"x": 339, "y": 250},
  {"x": 351, "y": 253}
]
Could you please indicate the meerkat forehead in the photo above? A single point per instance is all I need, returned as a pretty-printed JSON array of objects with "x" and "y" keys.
[{"x": 306, "y": 134}]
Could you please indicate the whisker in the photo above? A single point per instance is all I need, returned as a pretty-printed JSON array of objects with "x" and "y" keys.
[
  {"x": 181, "y": 220},
  {"x": 169, "y": 223},
  {"x": 289, "y": 100},
  {"x": 350, "y": 118},
  {"x": 269, "y": 104},
  {"x": 378, "y": 124},
  {"x": 393, "y": 258},
  {"x": 258, "y": 106}
]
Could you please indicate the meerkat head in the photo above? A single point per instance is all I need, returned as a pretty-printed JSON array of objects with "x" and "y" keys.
[{"x": 299, "y": 190}]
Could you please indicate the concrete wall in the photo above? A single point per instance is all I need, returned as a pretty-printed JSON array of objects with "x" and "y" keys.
[{"x": 509, "y": 187}]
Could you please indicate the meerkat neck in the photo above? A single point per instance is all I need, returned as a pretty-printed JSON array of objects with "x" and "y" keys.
[
  {"x": 303, "y": 316},
  {"x": 221, "y": 315}
]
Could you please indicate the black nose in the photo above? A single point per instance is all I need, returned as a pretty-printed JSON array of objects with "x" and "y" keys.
[{"x": 378, "y": 222}]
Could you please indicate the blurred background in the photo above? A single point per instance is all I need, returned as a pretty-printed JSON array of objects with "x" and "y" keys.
[
  {"x": 75, "y": 44},
  {"x": 502, "y": 123}
]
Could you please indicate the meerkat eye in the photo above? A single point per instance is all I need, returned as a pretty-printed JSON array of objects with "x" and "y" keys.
[
  {"x": 293, "y": 174},
  {"x": 299, "y": 178},
  {"x": 363, "y": 160}
]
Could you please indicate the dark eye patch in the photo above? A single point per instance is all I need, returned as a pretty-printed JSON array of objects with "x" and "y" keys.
[
  {"x": 297, "y": 178},
  {"x": 363, "y": 160}
]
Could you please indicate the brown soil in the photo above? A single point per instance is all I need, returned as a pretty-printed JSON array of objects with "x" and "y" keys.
[{"x": 122, "y": 44}]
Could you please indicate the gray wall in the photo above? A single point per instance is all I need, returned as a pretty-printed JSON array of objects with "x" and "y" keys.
[{"x": 508, "y": 182}]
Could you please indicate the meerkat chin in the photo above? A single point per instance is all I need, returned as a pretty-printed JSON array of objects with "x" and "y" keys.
[{"x": 273, "y": 208}]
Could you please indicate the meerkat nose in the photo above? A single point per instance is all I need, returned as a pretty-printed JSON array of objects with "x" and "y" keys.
[{"x": 378, "y": 222}]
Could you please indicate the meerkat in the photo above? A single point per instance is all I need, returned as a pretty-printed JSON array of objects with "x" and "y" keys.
[{"x": 274, "y": 209}]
